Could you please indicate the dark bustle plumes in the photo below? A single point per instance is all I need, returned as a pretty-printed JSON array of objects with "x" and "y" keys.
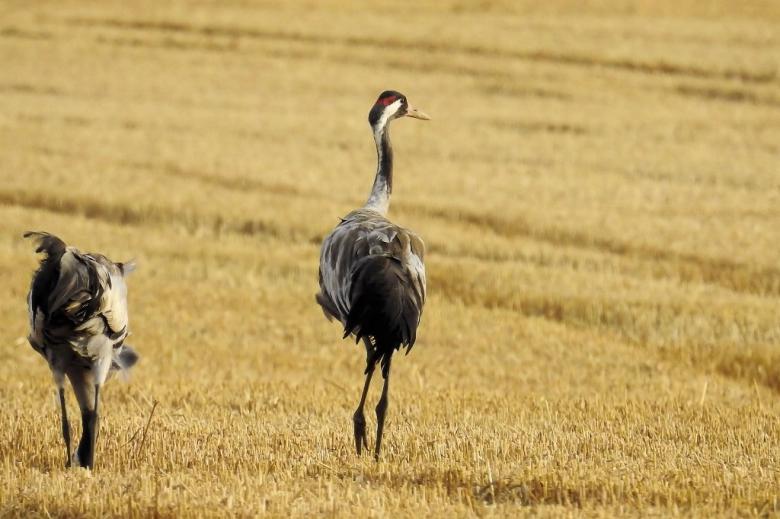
[
  {"x": 49, "y": 244},
  {"x": 48, "y": 274},
  {"x": 381, "y": 307}
]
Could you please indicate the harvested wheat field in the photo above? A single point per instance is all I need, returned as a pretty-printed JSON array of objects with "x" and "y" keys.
[{"x": 598, "y": 190}]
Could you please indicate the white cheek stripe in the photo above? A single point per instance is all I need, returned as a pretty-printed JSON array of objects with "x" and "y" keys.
[{"x": 388, "y": 112}]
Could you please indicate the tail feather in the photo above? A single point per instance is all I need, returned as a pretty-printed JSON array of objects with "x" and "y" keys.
[
  {"x": 382, "y": 304},
  {"x": 127, "y": 267},
  {"x": 126, "y": 358}
]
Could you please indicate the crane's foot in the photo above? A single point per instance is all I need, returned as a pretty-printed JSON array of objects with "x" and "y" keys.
[
  {"x": 70, "y": 462},
  {"x": 360, "y": 431}
]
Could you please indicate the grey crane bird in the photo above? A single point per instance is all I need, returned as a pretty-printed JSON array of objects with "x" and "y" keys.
[
  {"x": 372, "y": 276},
  {"x": 78, "y": 323}
]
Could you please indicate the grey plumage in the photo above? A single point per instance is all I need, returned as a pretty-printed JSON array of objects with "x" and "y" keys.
[
  {"x": 372, "y": 280},
  {"x": 78, "y": 323},
  {"x": 372, "y": 275}
]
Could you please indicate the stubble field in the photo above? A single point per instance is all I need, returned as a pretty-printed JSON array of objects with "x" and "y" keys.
[{"x": 598, "y": 190}]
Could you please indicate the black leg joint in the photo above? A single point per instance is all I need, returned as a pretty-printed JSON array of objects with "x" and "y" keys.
[{"x": 381, "y": 406}]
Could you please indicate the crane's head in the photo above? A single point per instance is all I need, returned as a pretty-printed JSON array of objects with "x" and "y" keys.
[{"x": 392, "y": 105}]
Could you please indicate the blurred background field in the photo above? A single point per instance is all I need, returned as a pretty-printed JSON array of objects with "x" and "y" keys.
[{"x": 598, "y": 190}]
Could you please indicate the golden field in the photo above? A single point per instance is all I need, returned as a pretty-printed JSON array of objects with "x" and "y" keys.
[{"x": 599, "y": 192}]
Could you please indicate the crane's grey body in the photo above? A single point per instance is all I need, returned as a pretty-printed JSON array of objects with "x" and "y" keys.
[
  {"x": 372, "y": 275},
  {"x": 361, "y": 234},
  {"x": 78, "y": 323}
]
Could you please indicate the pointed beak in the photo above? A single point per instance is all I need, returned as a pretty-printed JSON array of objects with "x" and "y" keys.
[{"x": 417, "y": 114}]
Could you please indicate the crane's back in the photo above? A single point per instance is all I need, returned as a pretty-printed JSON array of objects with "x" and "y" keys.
[
  {"x": 73, "y": 298},
  {"x": 372, "y": 279}
]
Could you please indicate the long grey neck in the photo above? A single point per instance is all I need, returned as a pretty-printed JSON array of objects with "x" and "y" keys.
[{"x": 383, "y": 182}]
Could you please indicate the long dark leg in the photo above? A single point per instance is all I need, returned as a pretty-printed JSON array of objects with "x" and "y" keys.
[
  {"x": 65, "y": 427},
  {"x": 89, "y": 421},
  {"x": 381, "y": 406},
  {"x": 86, "y": 390},
  {"x": 359, "y": 418}
]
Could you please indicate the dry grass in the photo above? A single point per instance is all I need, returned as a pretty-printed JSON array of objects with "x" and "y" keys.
[{"x": 598, "y": 190}]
